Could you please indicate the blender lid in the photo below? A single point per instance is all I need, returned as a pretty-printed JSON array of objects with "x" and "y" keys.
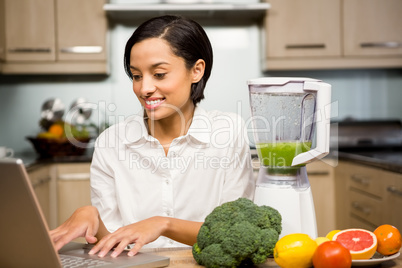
[{"x": 278, "y": 81}]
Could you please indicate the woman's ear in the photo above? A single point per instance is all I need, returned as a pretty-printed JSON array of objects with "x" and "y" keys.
[{"x": 198, "y": 70}]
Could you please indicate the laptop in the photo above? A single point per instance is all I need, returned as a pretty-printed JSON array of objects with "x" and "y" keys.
[{"x": 24, "y": 236}]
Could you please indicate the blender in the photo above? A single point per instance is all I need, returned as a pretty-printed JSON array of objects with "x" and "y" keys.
[{"x": 290, "y": 123}]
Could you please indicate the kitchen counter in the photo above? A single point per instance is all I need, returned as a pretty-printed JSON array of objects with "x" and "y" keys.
[
  {"x": 182, "y": 257},
  {"x": 32, "y": 160},
  {"x": 386, "y": 160}
]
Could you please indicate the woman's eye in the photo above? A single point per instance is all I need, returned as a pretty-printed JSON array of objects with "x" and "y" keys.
[
  {"x": 160, "y": 75},
  {"x": 137, "y": 77}
]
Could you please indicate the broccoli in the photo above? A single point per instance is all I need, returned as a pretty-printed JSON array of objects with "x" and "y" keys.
[{"x": 237, "y": 233}]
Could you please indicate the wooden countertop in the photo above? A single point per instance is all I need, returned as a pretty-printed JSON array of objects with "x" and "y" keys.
[{"x": 183, "y": 258}]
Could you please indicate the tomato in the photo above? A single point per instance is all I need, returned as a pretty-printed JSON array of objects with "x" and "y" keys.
[{"x": 332, "y": 254}]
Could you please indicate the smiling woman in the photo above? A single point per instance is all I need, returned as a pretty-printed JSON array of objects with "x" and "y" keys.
[{"x": 157, "y": 175}]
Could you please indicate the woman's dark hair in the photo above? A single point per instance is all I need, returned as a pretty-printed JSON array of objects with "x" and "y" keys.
[{"x": 187, "y": 39}]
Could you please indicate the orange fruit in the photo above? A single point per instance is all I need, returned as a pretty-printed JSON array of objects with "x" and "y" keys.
[
  {"x": 361, "y": 243},
  {"x": 56, "y": 130},
  {"x": 389, "y": 239}
]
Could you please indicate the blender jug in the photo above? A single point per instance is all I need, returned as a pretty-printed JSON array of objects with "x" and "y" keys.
[{"x": 290, "y": 116}]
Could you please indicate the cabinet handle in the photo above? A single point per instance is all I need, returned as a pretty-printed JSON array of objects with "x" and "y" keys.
[
  {"x": 82, "y": 49},
  {"x": 394, "y": 190},
  {"x": 381, "y": 45},
  {"x": 40, "y": 182},
  {"x": 363, "y": 209},
  {"x": 305, "y": 46},
  {"x": 358, "y": 179},
  {"x": 29, "y": 50},
  {"x": 74, "y": 176},
  {"x": 317, "y": 173}
]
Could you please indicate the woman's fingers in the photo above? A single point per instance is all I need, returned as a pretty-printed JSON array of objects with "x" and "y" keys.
[
  {"x": 120, "y": 247},
  {"x": 83, "y": 222},
  {"x": 135, "y": 249},
  {"x": 119, "y": 239}
]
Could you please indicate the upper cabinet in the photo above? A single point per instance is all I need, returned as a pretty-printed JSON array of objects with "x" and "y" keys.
[
  {"x": 30, "y": 32},
  {"x": 81, "y": 30},
  {"x": 372, "y": 27},
  {"x": 53, "y": 37},
  {"x": 308, "y": 28},
  {"x": 333, "y": 34}
]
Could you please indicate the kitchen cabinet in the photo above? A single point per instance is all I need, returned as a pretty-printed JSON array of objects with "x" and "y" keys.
[
  {"x": 53, "y": 37},
  {"x": 371, "y": 28},
  {"x": 393, "y": 199},
  {"x": 30, "y": 30},
  {"x": 41, "y": 183},
  {"x": 60, "y": 189},
  {"x": 367, "y": 197},
  {"x": 333, "y": 34},
  {"x": 322, "y": 181},
  {"x": 307, "y": 28},
  {"x": 73, "y": 189}
]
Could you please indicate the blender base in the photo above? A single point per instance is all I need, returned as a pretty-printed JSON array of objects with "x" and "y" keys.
[{"x": 295, "y": 206}]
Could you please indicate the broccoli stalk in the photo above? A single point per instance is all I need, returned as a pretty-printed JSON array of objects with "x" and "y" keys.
[{"x": 237, "y": 233}]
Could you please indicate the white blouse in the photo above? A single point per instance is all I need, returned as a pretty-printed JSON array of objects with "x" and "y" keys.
[{"x": 132, "y": 179}]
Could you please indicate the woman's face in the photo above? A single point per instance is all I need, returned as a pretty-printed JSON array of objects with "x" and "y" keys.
[{"x": 161, "y": 80}]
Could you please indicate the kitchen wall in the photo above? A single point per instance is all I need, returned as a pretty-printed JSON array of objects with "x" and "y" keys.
[{"x": 361, "y": 94}]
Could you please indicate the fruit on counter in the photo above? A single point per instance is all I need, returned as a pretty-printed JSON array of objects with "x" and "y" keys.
[
  {"x": 320, "y": 240},
  {"x": 361, "y": 243},
  {"x": 47, "y": 135},
  {"x": 61, "y": 129},
  {"x": 331, "y": 234},
  {"x": 237, "y": 233},
  {"x": 295, "y": 251},
  {"x": 56, "y": 129},
  {"x": 388, "y": 238},
  {"x": 331, "y": 254}
]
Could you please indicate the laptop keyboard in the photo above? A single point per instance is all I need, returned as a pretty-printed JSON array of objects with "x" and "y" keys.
[{"x": 75, "y": 262}]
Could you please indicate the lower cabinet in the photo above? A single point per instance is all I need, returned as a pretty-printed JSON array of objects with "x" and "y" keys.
[
  {"x": 73, "y": 189},
  {"x": 41, "y": 183},
  {"x": 322, "y": 182},
  {"x": 367, "y": 197},
  {"x": 61, "y": 189}
]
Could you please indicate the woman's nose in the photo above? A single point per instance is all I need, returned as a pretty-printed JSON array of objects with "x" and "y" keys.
[{"x": 147, "y": 86}]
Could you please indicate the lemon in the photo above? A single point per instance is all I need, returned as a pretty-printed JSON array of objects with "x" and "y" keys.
[
  {"x": 295, "y": 251},
  {"x": 321, "y": 240},
  {"x": 331, "y": 234}
]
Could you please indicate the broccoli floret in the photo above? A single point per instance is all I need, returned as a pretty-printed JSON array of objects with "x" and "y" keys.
[{"x": 237, "y": 233}]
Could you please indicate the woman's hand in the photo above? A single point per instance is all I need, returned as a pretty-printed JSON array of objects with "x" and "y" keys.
[
  {"x": 140, "y": 233},
  {"x": 83, "y": 223}
]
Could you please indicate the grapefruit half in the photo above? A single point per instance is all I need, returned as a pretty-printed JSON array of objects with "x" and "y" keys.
[{"x": 361, "y": 243}]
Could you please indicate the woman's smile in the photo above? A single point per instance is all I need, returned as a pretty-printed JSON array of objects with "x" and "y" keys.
[{"x": 153, "y": 103}]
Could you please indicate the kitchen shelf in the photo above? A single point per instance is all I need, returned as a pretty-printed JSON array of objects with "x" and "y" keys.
[{"x": 253, "y": 11}]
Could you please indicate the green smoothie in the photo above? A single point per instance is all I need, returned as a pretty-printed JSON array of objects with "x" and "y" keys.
[{"x": 281, "y": 154}]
